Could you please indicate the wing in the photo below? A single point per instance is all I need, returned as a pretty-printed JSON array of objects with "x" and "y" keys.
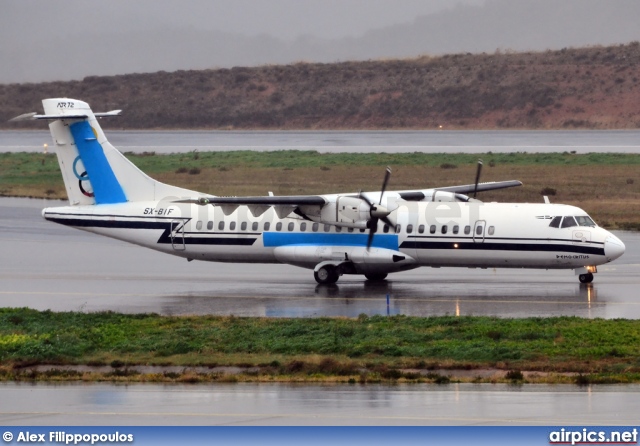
[
  {"x": 468, "y": 188},
  {"x": 285, "y": 200},
  {"x": 317, "y": 200},
  {"x": 419, "y": 195}
]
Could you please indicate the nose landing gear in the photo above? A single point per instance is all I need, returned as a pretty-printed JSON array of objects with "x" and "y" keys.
[{"x": 585, "y": 278}]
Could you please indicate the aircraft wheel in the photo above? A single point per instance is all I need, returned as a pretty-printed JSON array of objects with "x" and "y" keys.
[
  {"x": 326, "y": 274},
  {"x": 376, "y": 277},
  {"x": 586, "y": 278}
]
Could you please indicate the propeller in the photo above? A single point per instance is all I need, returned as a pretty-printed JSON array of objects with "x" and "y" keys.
[
  {"x": 475, "y": 190},
  {"x": 377, "y": 211}
]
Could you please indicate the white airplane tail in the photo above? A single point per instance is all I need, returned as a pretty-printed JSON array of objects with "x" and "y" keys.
[{"x": 95, "y": 172}]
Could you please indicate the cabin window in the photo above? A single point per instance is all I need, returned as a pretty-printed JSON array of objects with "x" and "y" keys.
[
  {"x": 361, "y": 229},
  {"x": 432, "y": 229},
  {"x": 232, "y": 226},
  {"x": 409, "y": 229},
  {"x": 444, "y": 229},
  {"x": 243, "y": 226},
  {"x": 267, "y": 225},
  {"x": 456, "y": 229},
  {"x": 585, "y": 221},
  {"x": 555, "y": 222},
  {"x": 467, "y": 229},
  {"x": 569, "y": 222},
  {"x": 254, "y": 226},
  {"x": 350, "y": 230},
  {"x": 303, "y": 226},
  {"x": 279, "y": 226},
  {"x": 385, "y": 229},
  {"x": 398, "y": 229},
  {"x": 492, "y": 229},
  {"x": 290, "y": 227},
  {"x": 421, "y": 229},
  {"x": 199, "y": 225},
  {"x": 314, "y": 227},
  {"x": 327, "y": 228},
  {"x": 221, "y": 225},
  {"x": 479, "y": 229},
  {"x": 210, "y": 225},
  {"x": 338, "y": 229}
]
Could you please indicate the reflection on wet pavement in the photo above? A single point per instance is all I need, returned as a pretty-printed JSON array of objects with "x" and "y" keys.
[{"x": 48, "y": 266}]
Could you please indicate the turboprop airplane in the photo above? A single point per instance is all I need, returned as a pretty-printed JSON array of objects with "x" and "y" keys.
[{"x": 366, "y": 233}]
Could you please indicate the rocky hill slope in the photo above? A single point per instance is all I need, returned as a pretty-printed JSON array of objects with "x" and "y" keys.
[{"x": 595, "y": 87}]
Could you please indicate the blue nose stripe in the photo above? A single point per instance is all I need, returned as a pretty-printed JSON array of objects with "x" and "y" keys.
[{"x": 275, "y": 239}]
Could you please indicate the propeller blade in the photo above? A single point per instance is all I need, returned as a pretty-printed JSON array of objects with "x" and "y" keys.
[
  {"x": 475, "y": 190},
  {"x": 389, "y": 223},
  {"x": 365, "y": 199},
  {"x": 387, "y": 174},
  {"x": 372, "y": 231},
  {"x": 376, "y": 212}
]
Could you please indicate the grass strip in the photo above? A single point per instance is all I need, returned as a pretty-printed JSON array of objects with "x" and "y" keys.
[
  {"x": 607, "y": 186},
  {"x": 309, "y": 348}
]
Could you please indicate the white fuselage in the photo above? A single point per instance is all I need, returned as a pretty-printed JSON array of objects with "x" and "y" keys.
[{"x": 457, "y": 234}]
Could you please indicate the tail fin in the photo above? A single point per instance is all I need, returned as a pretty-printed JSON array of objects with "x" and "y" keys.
[{"x": 94, "y": 172}]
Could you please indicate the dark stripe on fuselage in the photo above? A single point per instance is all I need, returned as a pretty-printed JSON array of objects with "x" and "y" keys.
[
  {"x": 528, "y": 244},
  {"x": 119, "y": 224},
  {"x": 543, "y": 246},
  {"x": 165, "y": 238},
  {"x": 235, "y": 241}
]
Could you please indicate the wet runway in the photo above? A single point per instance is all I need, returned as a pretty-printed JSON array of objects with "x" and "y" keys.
[
  {"x": 317, "y": 405},
  {"x": 48, "y": 266},
  {"x": 389, "y": 141}
]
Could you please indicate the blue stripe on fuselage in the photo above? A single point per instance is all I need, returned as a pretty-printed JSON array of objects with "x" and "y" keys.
[
  {"x": 106, "y": 187},
  {"x": 274, "y": 239}
]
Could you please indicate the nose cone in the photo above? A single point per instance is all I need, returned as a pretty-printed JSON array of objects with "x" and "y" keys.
[{"x": 613, "y": 248}]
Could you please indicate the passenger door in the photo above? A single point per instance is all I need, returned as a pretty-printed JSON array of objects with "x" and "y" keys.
[
  {"x": 177, "y": 235},
  {"x": 478, "y": 231}
]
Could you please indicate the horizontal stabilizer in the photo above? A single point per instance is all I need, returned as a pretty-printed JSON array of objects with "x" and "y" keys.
[{"x": 33, "y": 116}]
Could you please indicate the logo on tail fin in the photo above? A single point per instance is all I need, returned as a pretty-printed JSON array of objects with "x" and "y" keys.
[{"x": 82, "y": 177}]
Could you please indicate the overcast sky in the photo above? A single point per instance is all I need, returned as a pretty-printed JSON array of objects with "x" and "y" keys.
[
  {"x": 70, "y": 39},
  {"x": 284, "y": 19}
]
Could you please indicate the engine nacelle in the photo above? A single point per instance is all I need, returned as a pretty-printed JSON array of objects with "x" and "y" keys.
[
  {"x": 441, "y": 196},
  {"x": 352, "y": 210},
  {"x": 346, "y": 211},
  {"x": 362, "y": 259}
]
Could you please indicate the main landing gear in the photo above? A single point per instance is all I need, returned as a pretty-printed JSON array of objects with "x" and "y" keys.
[
  {"x": 376, "y": 277},
  {"x": 329, "y": 274},
  {"x": 326, "y": 274},
  {"x": 585, "y": 278}
]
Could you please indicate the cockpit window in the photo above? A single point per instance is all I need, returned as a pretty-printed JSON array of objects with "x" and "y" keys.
[
  {"x": 585, "y": 221},
  {"x": 569, "y": 222}
]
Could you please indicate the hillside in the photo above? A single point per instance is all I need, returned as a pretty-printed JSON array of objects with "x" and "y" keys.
[{"x": 596, "y": 87}]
